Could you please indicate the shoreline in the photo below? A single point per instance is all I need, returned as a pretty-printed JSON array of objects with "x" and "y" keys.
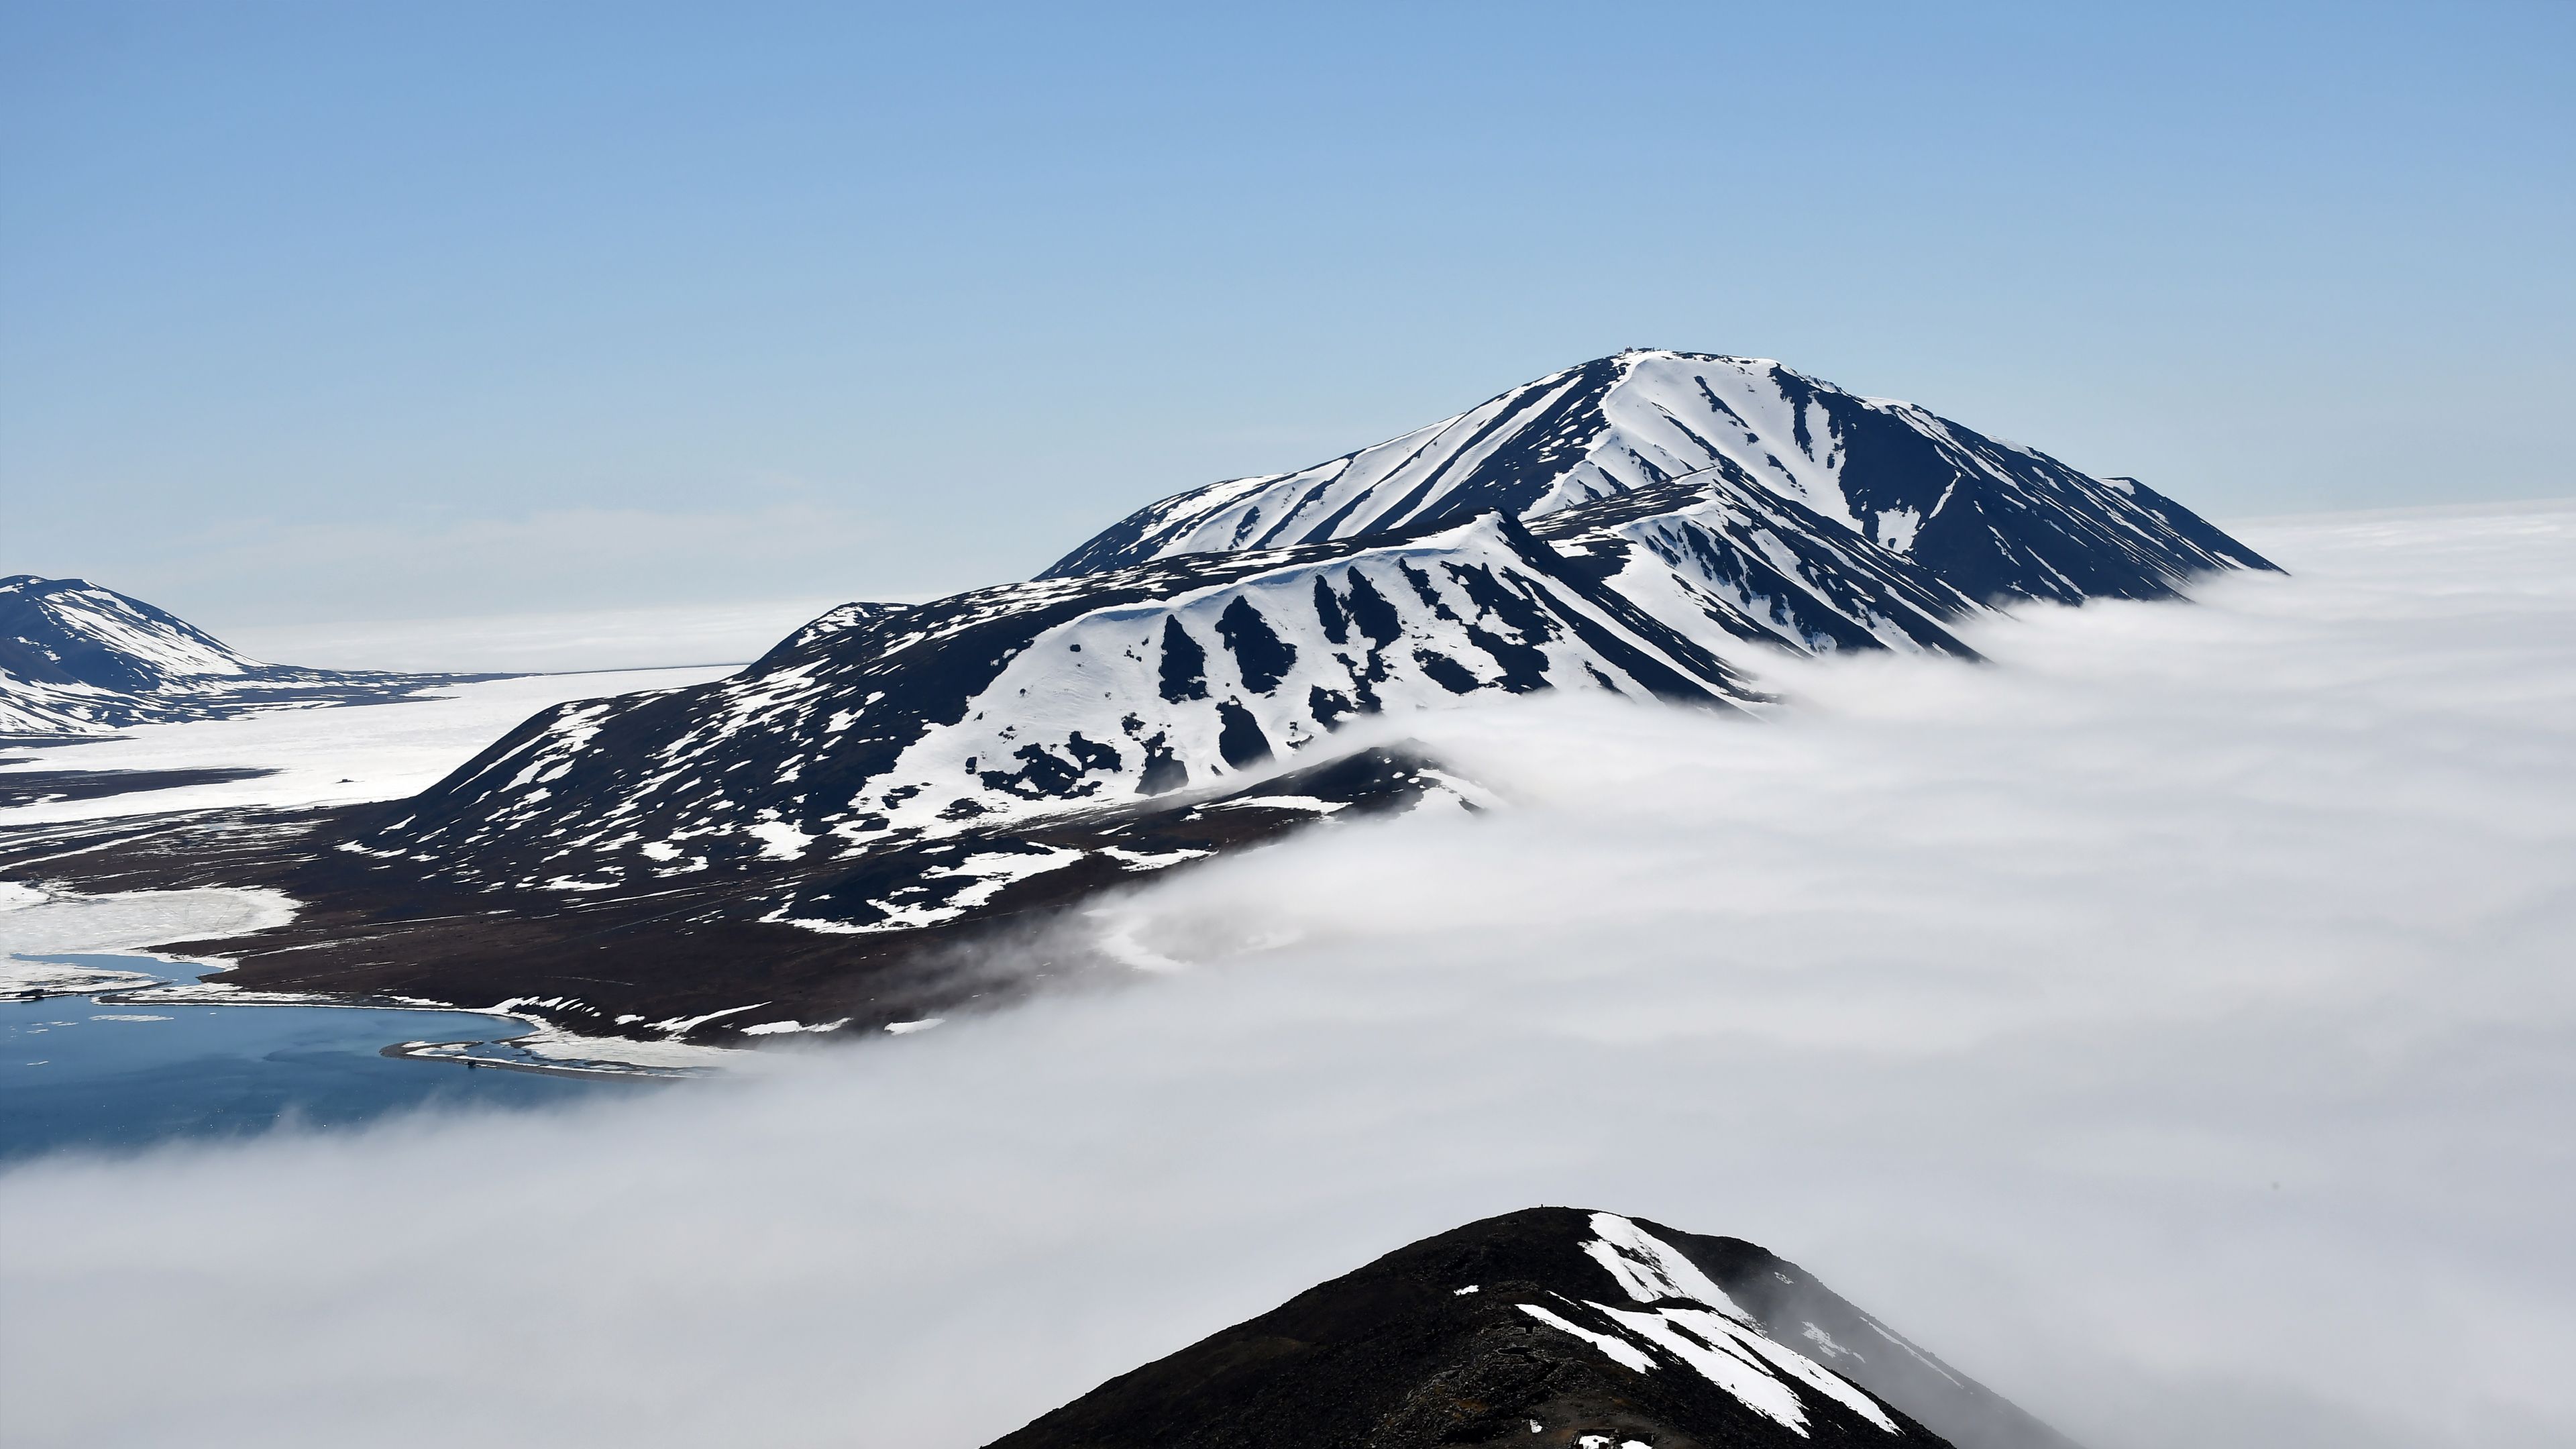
[
  {"x": 597, "y": 1056},
  {"x": 590, "y": 1058},
  {"x": 457, "y": 1053}
]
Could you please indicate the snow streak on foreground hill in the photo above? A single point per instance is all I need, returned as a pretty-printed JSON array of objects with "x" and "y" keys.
[
  {"x": 1551, "y": 1327},
  {"x": 805, "y": 836},
  {"x": 77, "y": 659}
]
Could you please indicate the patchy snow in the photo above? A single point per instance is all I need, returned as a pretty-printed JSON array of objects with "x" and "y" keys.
[
  {"x": 550, "y": 1047},
  {"x": 1284, "y": 802},
  {"x": 1651, "y": 1270},
  {"x": 1620, "y": 1350},
  {"x": 556, "y": 1044},
  {"x": 1151, "y": 860},
  {"x": 1689, "y": 1318},
  {"x": 678, "y": 1026},
  {"x": 780, "y": 1028}
]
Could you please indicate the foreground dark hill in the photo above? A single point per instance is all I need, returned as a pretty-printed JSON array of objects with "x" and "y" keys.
[
  {"x": 1994, "y": 521},
  {"x": 77, "y": 659},
  {"x": 1550, "y": 1327}
]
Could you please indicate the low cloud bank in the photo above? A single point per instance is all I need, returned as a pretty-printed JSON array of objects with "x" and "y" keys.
[
  {"x": 663, "y": 636},
  {"x": 2170, "y": 1023}
]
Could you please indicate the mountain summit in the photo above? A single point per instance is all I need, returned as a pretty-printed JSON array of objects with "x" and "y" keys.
[
  {"x": 1993, "y": 520},
  {"x": 1555, "y": 1328}
]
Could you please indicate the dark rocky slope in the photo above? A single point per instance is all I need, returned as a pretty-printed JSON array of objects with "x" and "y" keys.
[{"x": 1550, "y": 1327}]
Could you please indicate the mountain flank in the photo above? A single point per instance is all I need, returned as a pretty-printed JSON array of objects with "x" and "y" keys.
[{"x": 1550, "y": 1327}]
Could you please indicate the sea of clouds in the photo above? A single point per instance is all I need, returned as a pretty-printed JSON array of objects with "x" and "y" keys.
[{"x": 2171, "y": 1022}]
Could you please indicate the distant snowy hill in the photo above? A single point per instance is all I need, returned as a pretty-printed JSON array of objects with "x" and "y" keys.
[
  {"x": 1560, "y": 1329},
  {"x": 1993, "y": 520},
  {"x": 77, "y": 659}
]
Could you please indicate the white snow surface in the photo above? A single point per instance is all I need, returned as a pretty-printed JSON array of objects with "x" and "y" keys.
[
  {"x": 1705, "y": 1331},
  {"x": 322, "y": 757},
  {"x": 54, "y": 923}
]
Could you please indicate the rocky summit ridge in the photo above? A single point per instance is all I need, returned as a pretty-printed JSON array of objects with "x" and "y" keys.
[{"x": 1555, "y": 1328}]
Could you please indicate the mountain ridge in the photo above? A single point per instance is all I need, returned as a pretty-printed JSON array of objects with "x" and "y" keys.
[{"x": 1896, "y": 474}]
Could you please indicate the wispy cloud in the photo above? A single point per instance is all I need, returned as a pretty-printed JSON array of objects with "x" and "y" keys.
[
  {"x": 322, "y": 586},
  {"x": 664, "y": 636},
  {"x": 2169, "y": 1023}
]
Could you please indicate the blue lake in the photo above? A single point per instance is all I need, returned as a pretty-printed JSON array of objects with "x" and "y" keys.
[{"x": 79, "y": 1073}]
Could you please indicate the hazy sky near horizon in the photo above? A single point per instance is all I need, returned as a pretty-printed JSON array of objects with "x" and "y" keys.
[{"x": 321, "y": 313}]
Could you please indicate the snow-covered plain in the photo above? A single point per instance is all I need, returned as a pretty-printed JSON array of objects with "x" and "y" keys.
[
  {"x": 2168, "y": 1025},
  {"x": 322, "y": 756},
  {"x": 36, "y": 922}
]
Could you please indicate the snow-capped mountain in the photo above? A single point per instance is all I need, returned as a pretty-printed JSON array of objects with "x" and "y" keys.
[
  {"x": 1993, "y": 520},
  {"x": 1685, "y": 515},
  {"x": 1557, "y": 1328},
  {"x": 78, "y": 659},
  {"x": 821, "y": 831}
]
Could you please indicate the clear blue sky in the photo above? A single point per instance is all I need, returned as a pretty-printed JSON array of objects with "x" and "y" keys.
[{"x": 334, "y": 311}]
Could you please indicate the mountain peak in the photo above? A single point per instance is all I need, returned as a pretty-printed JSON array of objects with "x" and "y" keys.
[
  {"x": 1990, "y": 519},
  {"x": 1560, "y": 1328}
]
